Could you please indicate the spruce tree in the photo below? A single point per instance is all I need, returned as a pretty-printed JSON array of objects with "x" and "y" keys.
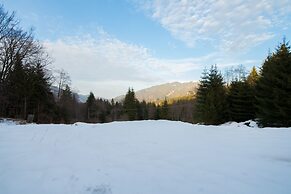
[
  {"x": 40, "y": 97},
  {"x": 91, "y": 107},
  {"x": 211, "y": 98},
  {"x": 241, "y": 101},
  {"x": 273, "y": 91},
  {"x": 201, "y": 94},
  {"x": 130, "y": 105}
]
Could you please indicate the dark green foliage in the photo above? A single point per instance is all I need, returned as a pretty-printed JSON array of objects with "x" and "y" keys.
[
  {"x": 104, "y": 108},
  {"x": 66, "y": 105},
  {"x": 130, "y": 105},
  {"x": 241, "y": 101},
  {"x": 91, "y": 107},
  {"x": 142, "y": 111},
  {"x": 200, "y": 112},
  {"x": 165, "y": 110},
  {"x": 158, "y": 112},
  {"x": 211, "y": 98},
  {"x": 16, "y": 86},
  {"x": 28, "y": 91},
  {"x": 102, "y": 116},
  {"x": 273, "y": 91},
  {"x": 116, "y": 111},
  {"x": 90, "y": 100},
  {"x": 101, "y": 110}
]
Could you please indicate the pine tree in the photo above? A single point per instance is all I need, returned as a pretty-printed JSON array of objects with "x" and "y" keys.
[
  {"x": 211, "y": 98},
  {"x": 273, "y": 91}
]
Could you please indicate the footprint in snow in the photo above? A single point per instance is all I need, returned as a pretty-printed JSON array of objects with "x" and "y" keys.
[{"x": 99, "y": 189}]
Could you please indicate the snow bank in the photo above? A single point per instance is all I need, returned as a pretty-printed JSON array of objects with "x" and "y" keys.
[
  {"x": 249, "y": 123},
  {"x": 5, "y": 122},
  {"x": 145, "y": 157}
]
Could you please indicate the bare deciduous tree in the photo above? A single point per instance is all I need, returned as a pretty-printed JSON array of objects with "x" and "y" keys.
[
  {"x": 62, "y": 79},
  {"x": 21, "y": 44}
]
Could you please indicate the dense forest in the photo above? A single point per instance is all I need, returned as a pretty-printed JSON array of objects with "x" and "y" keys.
[{"x": 26, "y": 90}]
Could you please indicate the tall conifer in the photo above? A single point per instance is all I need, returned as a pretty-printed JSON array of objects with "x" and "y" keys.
[
  {"x": 273, "y": 92},
  {"x": 211, "y": 98}
]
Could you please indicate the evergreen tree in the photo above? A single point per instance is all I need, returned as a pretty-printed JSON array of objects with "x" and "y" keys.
[
  {"x": 65, "y": 104},
  {"x": 201, "y": 94},
  {"x": 29, "y": 92},
  {"x": 102, "y": 116},
  {"x": 158, "y": 112},
  {"x": 142, "y": 110},
  {"x": 273, "y": 92},
  {"x": 211, "y": 98},
  {"x": 241, "y": 101},
  {"x": 130, "y": 105},
  {"x": 91, "y": 107},
  {"x": 16, "y": 90},
  {"x": 40, "y": 97},
  {"x": 165, "y": 110}
]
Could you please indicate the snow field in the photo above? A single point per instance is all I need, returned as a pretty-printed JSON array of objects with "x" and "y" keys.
[{"x": 144, "y": 157}]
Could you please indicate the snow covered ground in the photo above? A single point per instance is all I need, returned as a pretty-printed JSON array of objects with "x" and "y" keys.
[{"x": 145, "y": 157}]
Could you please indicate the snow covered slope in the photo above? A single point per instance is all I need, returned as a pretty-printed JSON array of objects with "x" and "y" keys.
[{"x": 146, "y": 157}]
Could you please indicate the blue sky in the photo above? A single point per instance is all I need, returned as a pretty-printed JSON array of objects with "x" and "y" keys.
[{"x": 108, "y": 45}]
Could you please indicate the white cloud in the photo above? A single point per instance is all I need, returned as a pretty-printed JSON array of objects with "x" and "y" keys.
[
  {"x": 108, "y": 66},
  {"x": 229, "y": 24}
]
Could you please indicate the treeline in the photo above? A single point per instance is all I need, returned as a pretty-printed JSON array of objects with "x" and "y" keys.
[
  {"x": 264, "y": 96},
  {"x": 25, "y": 80},
  {"x": 26, "y": 86},
  {"x": 100, "y": 110}
]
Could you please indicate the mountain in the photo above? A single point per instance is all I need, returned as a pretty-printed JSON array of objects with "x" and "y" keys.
[
  {"x": 169, "y": 91},
  {"x": 82, "y": 97}
]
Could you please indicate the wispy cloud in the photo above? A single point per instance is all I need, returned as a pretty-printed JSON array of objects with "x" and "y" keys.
[
  {"x": 103, "y": 60},
  {"x": 108, "y": 66},
  {"x": 228, "y": 25}
]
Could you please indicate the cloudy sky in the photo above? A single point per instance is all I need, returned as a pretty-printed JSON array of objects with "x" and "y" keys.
[{"x": 107, "y": 46}]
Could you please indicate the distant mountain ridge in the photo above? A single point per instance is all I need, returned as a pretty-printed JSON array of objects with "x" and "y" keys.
[{"x": 171, "y": 90}]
